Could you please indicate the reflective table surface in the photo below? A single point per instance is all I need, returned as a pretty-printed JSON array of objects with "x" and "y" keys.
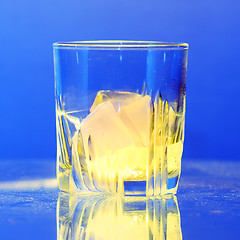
[{"x": 207, "y": 206}]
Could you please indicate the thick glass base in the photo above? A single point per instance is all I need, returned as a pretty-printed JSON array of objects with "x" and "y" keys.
[
  {"x": 139, "y": 188},
  {"x": 68, "y": 183},
  {"x": 135, "y": 188}
]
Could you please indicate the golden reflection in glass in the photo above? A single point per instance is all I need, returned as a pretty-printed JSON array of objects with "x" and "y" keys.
[{"x": 115, "y": 218}]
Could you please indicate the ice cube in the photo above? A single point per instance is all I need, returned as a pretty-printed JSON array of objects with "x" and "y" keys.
[
  {"x": 133, "y": 110},
  {"x": 117, "y": 98},
  {"x": 104, "y": 132},
  {"x": 136, "y": 116}
]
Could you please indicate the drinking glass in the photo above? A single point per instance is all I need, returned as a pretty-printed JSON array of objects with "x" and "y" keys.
[{"x": 120, "y": 113}]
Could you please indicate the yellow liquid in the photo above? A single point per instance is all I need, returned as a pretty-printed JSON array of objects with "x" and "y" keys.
[
  {"x": 131, "y": 162},
  {"x": 118, "y": 142}
]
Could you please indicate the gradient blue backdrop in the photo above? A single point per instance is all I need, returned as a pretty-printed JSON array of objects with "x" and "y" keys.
[{"x": 28, "y": 29}]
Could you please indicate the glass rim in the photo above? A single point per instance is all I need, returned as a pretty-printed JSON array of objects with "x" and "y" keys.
[{"x": 116, "y": 44}]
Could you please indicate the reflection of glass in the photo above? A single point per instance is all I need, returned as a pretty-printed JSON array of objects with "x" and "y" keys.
[
  {"x": 110, "y": 218},
  {"x": 120, "y": 109}
]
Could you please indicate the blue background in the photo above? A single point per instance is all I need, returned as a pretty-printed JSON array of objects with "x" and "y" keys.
[{"x": 28, "y": 29}]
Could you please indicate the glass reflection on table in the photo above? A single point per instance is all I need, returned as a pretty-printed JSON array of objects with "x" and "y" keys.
[{"x": 112, "y": 217}]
